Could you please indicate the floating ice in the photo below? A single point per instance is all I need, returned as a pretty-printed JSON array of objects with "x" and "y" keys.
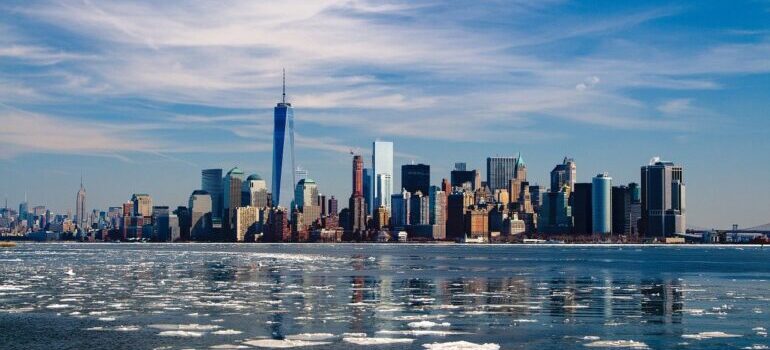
[
  {"x": 311, "y": 336},
  {"x": 428, "y": 324},
  {"x": 283, "y": 344},
  {"x": 187, "y": 334},
  {"x": 185, "y": 327},
  {"x": 461, "y": 345},
  {"x": 376, "y": 340},
  {"x": 709, "y": 335},
  {"x": 227, "y": 332},
  {"x": 632, "y": 344},
  {"x": 419, "y": 332},
  {"x": 58, "y": 306}
]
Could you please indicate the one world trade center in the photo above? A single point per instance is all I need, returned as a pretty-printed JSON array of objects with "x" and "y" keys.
[{"x": 283, "y": 141}]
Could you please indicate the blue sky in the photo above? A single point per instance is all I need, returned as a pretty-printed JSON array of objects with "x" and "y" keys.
[{"x": 141, "y": 95}]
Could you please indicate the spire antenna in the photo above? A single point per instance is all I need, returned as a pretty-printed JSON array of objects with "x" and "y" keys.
[{"x": 283, "y": 98}]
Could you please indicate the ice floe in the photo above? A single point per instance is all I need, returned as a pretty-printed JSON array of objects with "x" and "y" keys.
[
  {"x": 461, "y": 345},
  {"x": 376, "y": 340},
  {"x": 631, "y": 344},
  {"x": 187, "y": 334},
  {"x": 283, "y": 344},
  {"x": 709, "y": 335},
  {"x": 428, "y": 324},
  {"x": 311, "y": 336}
]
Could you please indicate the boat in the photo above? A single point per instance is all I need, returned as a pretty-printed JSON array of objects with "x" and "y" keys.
[{"x": 7, "y": 244}]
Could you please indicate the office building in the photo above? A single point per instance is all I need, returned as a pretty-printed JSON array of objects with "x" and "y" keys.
[
  {"x": 382, "y": 172},
  {"x": 231, "y": 185},
  {"x": 555, "y": 216},
  {"x": 477, "y": 224},
  {"x": 400, "y": 213},
  {"x": 368, "y": 195},
  {"x": 564, "y": 174},
  {"x": 357, "y": 204},
  {"x": 458, "y": 203},
  {"x": 601, "y": 203},
  {"x": 257, "y": 189},
  {"x": 201, "y": 216},
  {"x": 161, "y": 225},
  {"x": 142, "y": 205},
  {"x": 247, "y": 223},
  {"x": 582, "y": 213},
  {"x": 622, "y": 210},
  {"x": 333, "y": 207},
  {"x": 283, "y": 147},
  {"x": 211, "y": 182},
  {"x": 419, "y": 209},
  {"x": 415, "y": 177},
  {"x": 305, "y": 193},
  {"x": 662, "y": 199},
  {"x": 466, "y": 179},
  {"x": 500, "y": 170}
]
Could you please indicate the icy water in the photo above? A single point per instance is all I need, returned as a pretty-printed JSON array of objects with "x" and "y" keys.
[{"x": 357, "y": 296}]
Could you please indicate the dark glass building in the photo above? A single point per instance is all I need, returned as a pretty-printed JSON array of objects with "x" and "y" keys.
[
  {"x": 581, "y": 208},
  {"x": 416, "y": 177}
]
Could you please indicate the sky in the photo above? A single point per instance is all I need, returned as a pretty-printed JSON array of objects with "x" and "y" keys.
[{"x": 139, "y": 96}]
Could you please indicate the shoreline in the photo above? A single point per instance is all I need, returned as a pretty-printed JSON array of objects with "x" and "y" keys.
[{"x": 245, "y": 244}]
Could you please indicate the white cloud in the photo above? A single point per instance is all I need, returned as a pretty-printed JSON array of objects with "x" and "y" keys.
[{"x": 394, "y": 69}]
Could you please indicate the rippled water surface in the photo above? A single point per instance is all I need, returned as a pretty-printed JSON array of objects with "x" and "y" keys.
[{"x": 178, "y": 296}]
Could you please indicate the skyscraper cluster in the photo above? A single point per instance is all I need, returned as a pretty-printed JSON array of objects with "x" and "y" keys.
[{"x": 505, "y": 207}]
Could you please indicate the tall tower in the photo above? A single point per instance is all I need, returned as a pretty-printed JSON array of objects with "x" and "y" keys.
[
  {"x": 80, "y": 205},
  {"x": 662, "y": 199},
  {"x": 382, "y": 172},
  {"x": 211, "y": 182},
  {"x": 601, "y": 204},
  {"x": 283, "y": 137},
  {"x": 357, "y": 204}
]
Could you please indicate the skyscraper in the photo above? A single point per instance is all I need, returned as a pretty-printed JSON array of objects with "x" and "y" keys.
[
  {"x": 257, "y": 189},
  {"x": 357, "y": 205},
  {"x": 581, "y": 203},
  {"x": 368, "y": 188},
  {"x": 80, "y": 205},
  {"x": 232, "y": 184},
  {"x": 415, "y": 177},
  {"x": 382, "y": 170},
  {"x": 622, "y": 215},
  {"x": 499, "y": 171},
  {"x": 283, "y": 138},
  {"x": 520, "y": 171},
  {"x": 200, "y": 215},
  {"x": 461, "y": 177},
  {"x": 306, "y": 193},
  {"x": 401, "y": 210},
  {"x": 663, "y": 199},
  {"x": 211, "y": 182},
  {"x": 601, "y": 203},
  {"x": 564, "y": 174},
  {"x": 555, "y": 214},
  {"x": 142, "y": 203}
]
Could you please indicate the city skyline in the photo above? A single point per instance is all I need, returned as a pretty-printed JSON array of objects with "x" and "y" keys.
[{"x": 139, "y": 106}]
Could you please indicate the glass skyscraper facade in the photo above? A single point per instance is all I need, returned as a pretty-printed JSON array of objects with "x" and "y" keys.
[
  {"x": 601, "y": 203},
  {"x": 211, "y": 182},
  {"x": 499, "y": 171},
  {"x": 382, "y": 170},
  {"x": 663, "y": 199},
  {"x": 283, "y": 147}
]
